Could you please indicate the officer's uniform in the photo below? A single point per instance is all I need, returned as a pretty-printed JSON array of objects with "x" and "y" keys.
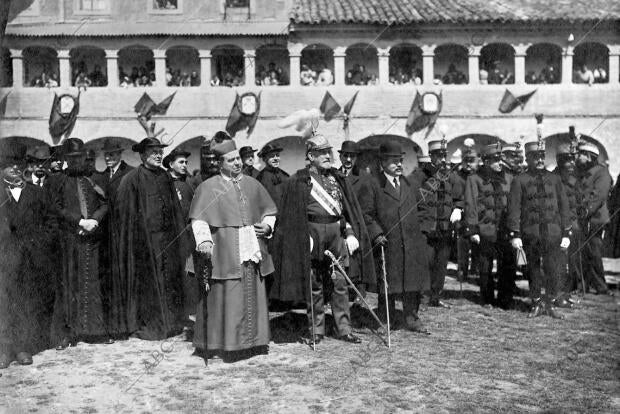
[
  {"x": 486, "y": 199},
  {"x": 593, "y": 185},
  {"x": 539, "y": 215},
  {"x": 463, "y": 244}
]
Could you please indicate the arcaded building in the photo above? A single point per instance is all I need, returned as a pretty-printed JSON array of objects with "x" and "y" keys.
[{"x": 293, "y": 51}]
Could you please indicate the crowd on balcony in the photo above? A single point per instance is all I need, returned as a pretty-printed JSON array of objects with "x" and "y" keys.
[
  {"x": 316, "y": 74},
  {"x": 359, "y": 76},
  {"x": 182, "y": 79},
  {"x": 272, "y": 76},
  {"x": 586, "y": 75},
  {"x": 45, "y": 80},
  {"x": 165, "y": 4},
  {"x": 402, "y": 75},
  {"x": 549, "y": 74},
  {"x": 139, "y": 76},
  {"x": 82, "y": 78}
]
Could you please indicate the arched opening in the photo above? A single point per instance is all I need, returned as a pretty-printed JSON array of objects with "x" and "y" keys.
[
  {"x": 406, "y": 64},
  {"x": 272, "y": 65},
  {"x": 317, "y": 65},
  {"x": 88, "y": 66},
  {"x": 130, "y": 157},
  {"x": 293, "y": 156},
  {"x": 6, "y": 68},
  {"x": 450, "y": 63},
  {"x": 497, "y": 62},
  {"x": 543, "y": 63},
  {"x": 136, "y": 66},
  {"x": 553, "y": 141},
  {"x": 227, "y": 66},
  {"x": 368, "y": 159},
  {"x": 480, "y": 141},
  {"x": 591, "y": 63},
  {"x": 361, "y": 65},
  {"x": 182, "y": 66},
  {"x": 41, "y": 67}
]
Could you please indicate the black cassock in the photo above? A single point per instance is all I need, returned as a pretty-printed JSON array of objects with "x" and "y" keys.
[
  {"x": 26, "y": 276},
  {"x": 152, "y": 243},
  {"x": 78, "y": 310}
]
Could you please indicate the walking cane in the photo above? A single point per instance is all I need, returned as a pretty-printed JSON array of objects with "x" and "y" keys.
[
  {"x": 335, "y": 262},
  {"x": 312, "y": 312},
  {"x": 385, "y": 289}
]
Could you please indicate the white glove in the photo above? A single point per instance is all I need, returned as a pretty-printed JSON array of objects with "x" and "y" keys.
[
  {"x": 475, "y": 239},
  {"x": 455, "y": 216},
  {"x": 311, "y": 243},
  {"x": 88, "y": 224},
  {"x": 352, "y": 244},
  {"x": 565, "y": 243},
  {"x": 516, "y": 243},
  {"x": 206, "y": 247}
]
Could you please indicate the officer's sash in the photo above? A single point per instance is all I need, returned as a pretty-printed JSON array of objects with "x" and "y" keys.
[{"x": 324, "y": 199}]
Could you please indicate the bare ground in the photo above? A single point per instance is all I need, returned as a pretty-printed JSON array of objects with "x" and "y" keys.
[{"x": 476, "y": 360}]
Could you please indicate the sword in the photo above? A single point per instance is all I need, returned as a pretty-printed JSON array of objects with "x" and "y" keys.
[
  {"x": 335, "y": 262},
  {"x": 385, "y": 289},
  {"x": 312, "y": 312}
]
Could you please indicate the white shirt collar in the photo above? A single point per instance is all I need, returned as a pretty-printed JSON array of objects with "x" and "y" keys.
[
  {"x": 115, "y": 168},
  {"x": 228, "y": 178},
  {"x": 16, "y": 192},
  {"x": 390, "y": 178}
]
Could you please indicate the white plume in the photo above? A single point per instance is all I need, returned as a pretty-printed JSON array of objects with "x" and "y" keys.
[
  {"x": 305, "y": 121},
  {"x": 469, "y": 142}
]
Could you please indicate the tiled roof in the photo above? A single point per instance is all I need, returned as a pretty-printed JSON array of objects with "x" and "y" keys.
[
  {"x": 451, "y": 11},
  {"x": 151, "y": 29}
]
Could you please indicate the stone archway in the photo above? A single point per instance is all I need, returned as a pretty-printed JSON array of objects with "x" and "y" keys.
[{"x": 369, "y": 152}]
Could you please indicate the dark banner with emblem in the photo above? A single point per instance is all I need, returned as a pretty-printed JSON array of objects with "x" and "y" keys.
[{"x": 65, "y": 110}]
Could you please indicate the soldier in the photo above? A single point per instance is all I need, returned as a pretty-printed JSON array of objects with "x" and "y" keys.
[
  {"x": 272, "y": 177},
  {"x": 443, "y": 206},
  {"x": 467, "y": 167},
  {"x": 593, "y": 185},
  {"x": 539, "y": 223},
  {"x": 486, "y": 199},
  {"x": 512, "y": 158},
  {"x": 569, "y": 280},
  {"x": 247, "y": 158},
  {"x": 320, "y": 211},
  {"x": 389, "y": 202}
]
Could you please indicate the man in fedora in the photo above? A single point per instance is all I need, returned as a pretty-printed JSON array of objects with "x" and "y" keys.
[
  {"x": 593, "y": 185},
  {"x": 232, "y": 234},
  {"x": 539, "y": 223},
  {"x": 37, "y": 171},
  {"x": 348, "y": 155},
  {"x": 320, "y": 211},
  {"x": 80, "y": 206},
  {"x": 272, "y": 177},
  {"x": 389, "y": 202},
  {"x": 26, "y": 270},
  {"x": 153, "y": 245},
  {"x": 116, "y": 168},
  {"x": 247, "y": 158}
]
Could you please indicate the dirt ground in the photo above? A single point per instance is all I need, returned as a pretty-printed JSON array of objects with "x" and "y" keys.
[{"x": 476, "y": 360}]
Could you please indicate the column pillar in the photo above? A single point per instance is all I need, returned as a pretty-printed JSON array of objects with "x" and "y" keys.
[
  {"x": 614, "y": 64},
  {"x": 250, "y": 70},
  {"x": 339, "y": 71},
  {"x": 64, "y": 67},
  {"x": 111, "y": 58},
  {"x": 428, "y": 67},
  {"x": 567, "y": 65},
  {"x": 17, "y": 62},
  {"x": 473, "y": 61},
  {"x": 520, "y": 53},
  {"x": 384, "y": 66},
  {"x": 294, "y": 54},
  {"x": 160, "y": 68},
  {"x": 205, "y": 68}
]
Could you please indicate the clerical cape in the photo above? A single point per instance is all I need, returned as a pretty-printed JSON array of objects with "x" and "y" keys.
[{"x": 217, "y": 202}]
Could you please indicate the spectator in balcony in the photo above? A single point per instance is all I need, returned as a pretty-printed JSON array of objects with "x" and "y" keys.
[
  {"x": 548, "y": 74},
  {"x": 194, "y": 79},
  {"x": 454, "y": 76},
  {"x": 600, "y": 75},
  {"x": 271, "y": 79},
  {"x": 97, "y": 77},
  {"x": 215, "y": 81},
  {"x": 126, "y": 82},
  {"x": 261, "y": 75},
  {"x": 185, "y": 80},
  {"x": 168, "y": 76},
  {"x": 306, "y": 76},
  {"x": 373, "y": 80},
  {"x": 134, "y": 76},
  {"x": 585, "y": 75},
  {"x": 325, "y": 78},
  {"x": 82, "y": 81},
  {"x": 282, "y": 76},
  {"x": 52, "y": 81},
  {"x": 484, "y": 76},
  {"x": 399, "y": 77},
  {"x": 531, "y": 77}
]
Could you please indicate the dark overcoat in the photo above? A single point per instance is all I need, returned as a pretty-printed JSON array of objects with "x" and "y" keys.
[
  {"x": 394, "y": 215},
  {"x": 273, "y": 180},
  {"x": 291, "y": 247}
]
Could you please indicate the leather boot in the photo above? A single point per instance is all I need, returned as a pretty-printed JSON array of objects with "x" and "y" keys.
[{"x": 538, "y": 308}]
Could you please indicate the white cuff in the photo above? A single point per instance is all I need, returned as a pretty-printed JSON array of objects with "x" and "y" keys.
[{"x": 202, "y": 231}]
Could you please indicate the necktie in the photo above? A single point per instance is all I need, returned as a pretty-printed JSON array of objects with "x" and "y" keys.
[
  {"x": 397, "y": 185},
  {"x": 111, "y": 173}
]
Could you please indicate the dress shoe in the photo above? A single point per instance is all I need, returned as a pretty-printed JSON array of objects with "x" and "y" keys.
[
  {"x": 63, "y": 344},
  {"x": 5, "y": 361},
  {"x": 436, "y": 303},
  {"x": 350, "y": 338},
  {"x": 24, "y": 358},
  {"x": 416, "y": 325},
  {"x": 537, "y": 310}
]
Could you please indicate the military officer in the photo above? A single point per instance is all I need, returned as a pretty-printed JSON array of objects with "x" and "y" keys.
[
  {"x": 486, "y": 199},
  {"x": 593, "y": 185},
  {"x": 512, "y": 158},
  {"x": 539, "y": 223}
]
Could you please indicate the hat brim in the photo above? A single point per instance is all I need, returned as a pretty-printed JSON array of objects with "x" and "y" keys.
[
  {"x": 391, "y": 154},
  {"x": 271, "y": 151},
  {"x": 142, "y": 148},
  {"x": 321, "y": 148},
  {"x": 348, "y": 152}
]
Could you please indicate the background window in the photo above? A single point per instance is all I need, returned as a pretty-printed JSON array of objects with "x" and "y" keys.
[
  {"x": 165, "y": 4},
  {"x": 92, "y": 5},
  {"x": 237, "y": 3}
]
